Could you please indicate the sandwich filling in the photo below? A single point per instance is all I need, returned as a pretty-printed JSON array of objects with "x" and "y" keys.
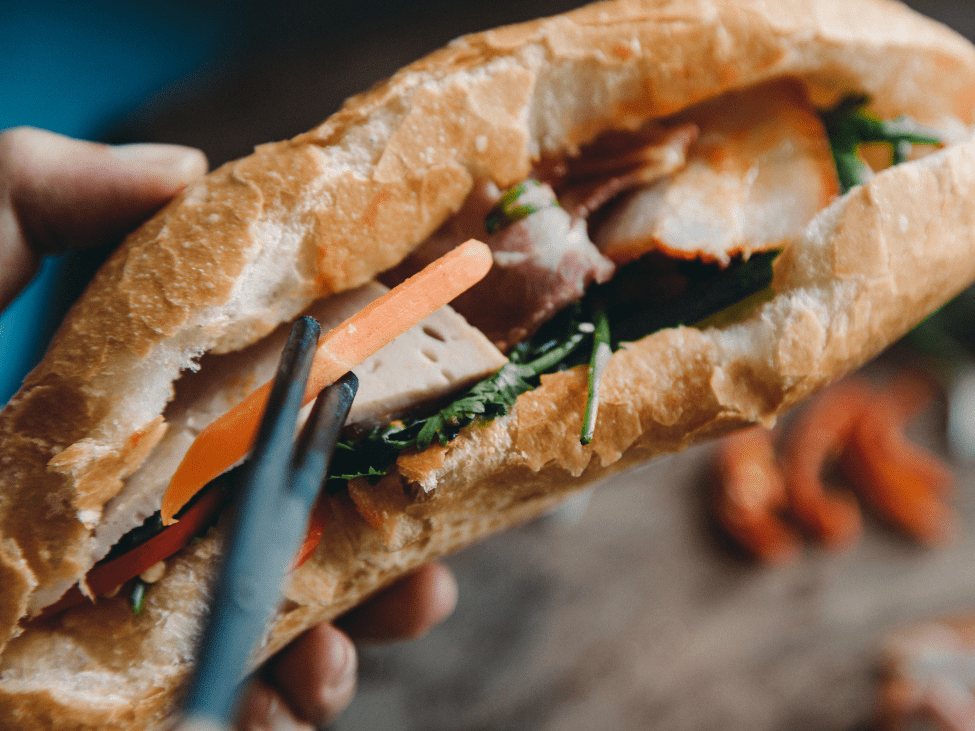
[{"x": 676, "y": 223}]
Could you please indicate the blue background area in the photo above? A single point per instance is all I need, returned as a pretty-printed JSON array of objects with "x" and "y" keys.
[{"x": 73, "y": 68}]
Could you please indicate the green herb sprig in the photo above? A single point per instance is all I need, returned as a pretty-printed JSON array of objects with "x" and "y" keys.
[
  {"x": 702, "y": 299},
  {"x": 850, "y": 125},
  {"x": 559, "y": 345},
  {"x": 493, "y": 397}
]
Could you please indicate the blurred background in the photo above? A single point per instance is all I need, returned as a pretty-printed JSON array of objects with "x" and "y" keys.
[{"x": 633, "y": 611}]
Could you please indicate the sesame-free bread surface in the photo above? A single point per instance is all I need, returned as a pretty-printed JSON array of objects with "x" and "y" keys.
[{"x": 258, "y": 240}]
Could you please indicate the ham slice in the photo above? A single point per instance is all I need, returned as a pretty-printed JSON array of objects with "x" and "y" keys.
[{"x": 543, "y": 261}]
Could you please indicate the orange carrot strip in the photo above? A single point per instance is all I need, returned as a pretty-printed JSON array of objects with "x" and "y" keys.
[
  {"x": 819, "y": 435},
  {"x": 904, "y": 483},
  {"x": 750, "y": 493},
  {"x": 229, "y": 437}
]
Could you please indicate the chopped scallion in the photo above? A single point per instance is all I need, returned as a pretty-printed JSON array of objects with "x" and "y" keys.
[
  {"x": 601, "y": 353},
  {"x": 850, "y": 125},
  {"x": 137, "y": 599},
  {"x": 518, "y": 202}
]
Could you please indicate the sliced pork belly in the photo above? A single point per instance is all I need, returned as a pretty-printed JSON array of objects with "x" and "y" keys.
[
  {"x": 619, "y": 161},
  {"x": 543, "y": 262},
  {"x": 758, "y": 172},
  {"x": 543, "y": 259}
]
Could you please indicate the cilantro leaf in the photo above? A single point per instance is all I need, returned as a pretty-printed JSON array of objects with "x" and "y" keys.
[{"x": 558, "y": 345}]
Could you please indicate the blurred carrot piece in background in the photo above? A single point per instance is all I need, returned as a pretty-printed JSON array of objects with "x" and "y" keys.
[
  {"x": 857, "y": 428},
  {"x": 751, "y": 494},
  {"x": 819, "y": 436},
  {"x": 905, "y": 483}
]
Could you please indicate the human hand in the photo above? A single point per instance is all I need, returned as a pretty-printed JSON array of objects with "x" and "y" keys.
[
  {"x": 59, "y": 194},
  {"x": 313, "y": 679}
]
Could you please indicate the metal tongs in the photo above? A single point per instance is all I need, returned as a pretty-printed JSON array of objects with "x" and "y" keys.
[{"x": 277, "y": 492}]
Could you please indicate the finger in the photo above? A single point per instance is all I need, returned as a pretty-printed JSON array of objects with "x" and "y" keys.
[
  {"x": 70, "y": 194},
  {"x": 263, "y": 709},
  {"x": 316, "y": 674},
  {"x": 406, "y": 610},
  {"x": 58, "y": 193}
]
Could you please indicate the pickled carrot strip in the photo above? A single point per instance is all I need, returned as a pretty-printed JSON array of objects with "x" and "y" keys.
[{"x": 228, "y": 439}]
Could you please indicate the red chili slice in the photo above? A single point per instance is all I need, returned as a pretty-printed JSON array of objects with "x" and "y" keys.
[
  {"x": 316, "y": 529},
  {"x": 107, "y": 576}
]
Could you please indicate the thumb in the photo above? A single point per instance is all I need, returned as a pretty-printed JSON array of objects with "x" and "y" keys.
[{"x": 58, "y": 194}]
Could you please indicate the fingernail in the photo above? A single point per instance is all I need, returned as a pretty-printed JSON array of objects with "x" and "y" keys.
[
  {"x": 338, "y": 683},
  {"x": 448, "y": 594},
  {"x": 177, "y": 164},
  {"x": 342, "y": 661}
]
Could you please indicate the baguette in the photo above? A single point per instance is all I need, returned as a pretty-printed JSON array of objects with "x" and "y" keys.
[{"x": 259, "y": 240}]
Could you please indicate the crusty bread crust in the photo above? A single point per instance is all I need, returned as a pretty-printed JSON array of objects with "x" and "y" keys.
[{"x": 259, "y": 239}]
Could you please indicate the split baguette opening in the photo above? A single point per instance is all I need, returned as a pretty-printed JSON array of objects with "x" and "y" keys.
[{"x": 229, "y": 438}]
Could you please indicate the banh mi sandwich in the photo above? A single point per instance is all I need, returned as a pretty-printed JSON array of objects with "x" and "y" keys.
[{"x": 695, "y": 219}]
